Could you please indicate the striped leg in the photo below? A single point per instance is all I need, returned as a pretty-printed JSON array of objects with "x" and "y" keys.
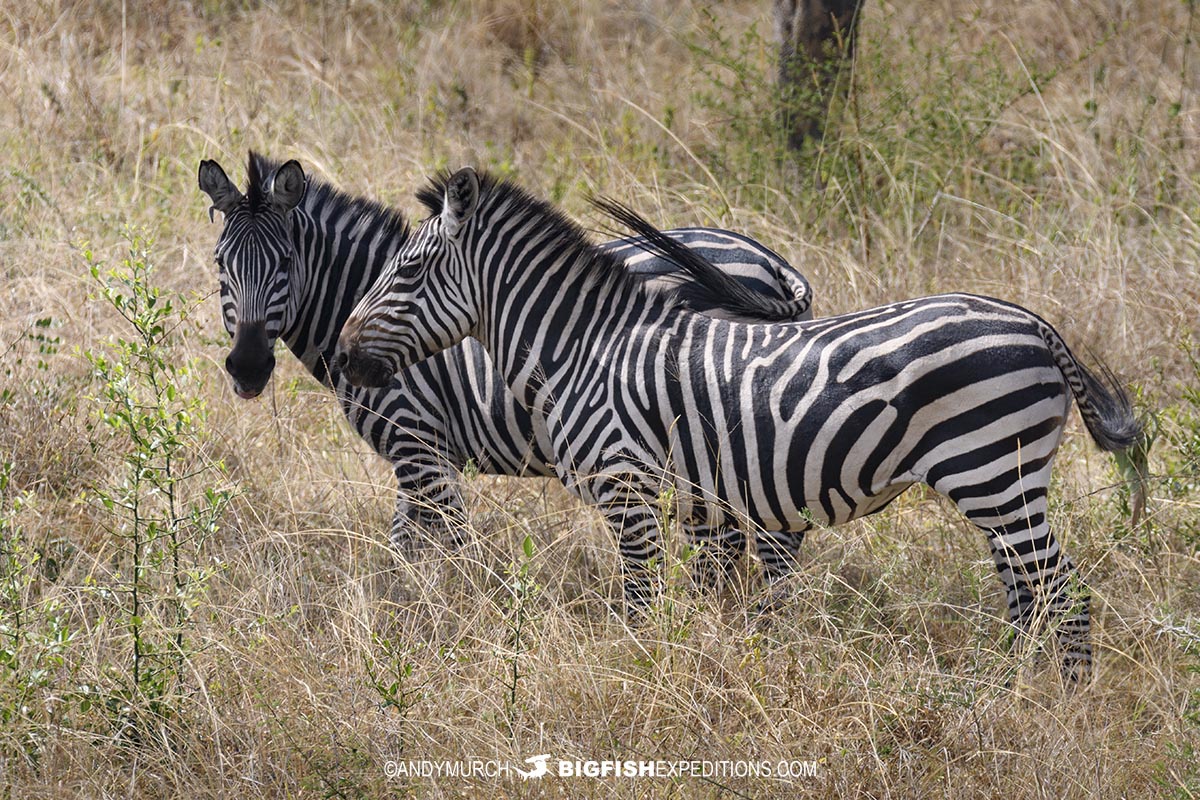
[
  {"x": 1042, "y": 585},
  {"x": 429, "y": 507},
  {"x": 1070, "y": 604},
  {"x": 717, "y": 550},
  {"x": 778, "y": 551},
  {"x": 1041, "y": 580},
  {"x": 633, "y": 515}
]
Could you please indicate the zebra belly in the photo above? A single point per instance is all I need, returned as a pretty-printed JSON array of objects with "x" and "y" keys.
[
  {"x": 795, "y": 517},
  {"x": 828, "y": 451}
]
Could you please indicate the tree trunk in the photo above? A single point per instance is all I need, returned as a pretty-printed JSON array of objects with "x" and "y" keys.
[{"x": 816, "y": 38}]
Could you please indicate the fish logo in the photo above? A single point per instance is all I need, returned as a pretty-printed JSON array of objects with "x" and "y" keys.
[{"x": 540, "y": 767}]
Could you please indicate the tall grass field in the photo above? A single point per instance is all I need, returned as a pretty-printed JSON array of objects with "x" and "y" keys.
[{"x": 197, "y": 595}]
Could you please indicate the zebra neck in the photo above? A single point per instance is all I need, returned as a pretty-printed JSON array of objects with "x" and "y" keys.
[
  {"x": 338, "y": 256},
  {"x": 571, "y": 318}
]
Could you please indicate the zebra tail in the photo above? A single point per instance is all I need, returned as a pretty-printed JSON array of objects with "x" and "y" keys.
[
  {"x": 1109, "y": 416},
  {"x": 710, "y": 288}
]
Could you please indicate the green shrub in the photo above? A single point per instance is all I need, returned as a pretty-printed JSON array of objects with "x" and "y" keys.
[{"x": 164, "y": 503}]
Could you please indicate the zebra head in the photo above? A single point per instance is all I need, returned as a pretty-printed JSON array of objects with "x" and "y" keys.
[
  {"x": 421, "y": 304},
  {"x": 254, "y": 255}
]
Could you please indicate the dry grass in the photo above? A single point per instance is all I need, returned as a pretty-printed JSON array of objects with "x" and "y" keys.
[{"x": 1055, "y": 169}]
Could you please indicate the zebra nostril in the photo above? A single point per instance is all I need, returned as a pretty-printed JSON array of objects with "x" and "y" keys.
[{"x": 340, "y": 359}]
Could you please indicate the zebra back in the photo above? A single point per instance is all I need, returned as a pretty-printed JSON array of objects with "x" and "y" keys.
[
  {"x": 710, "y": 290},
  {"x": 751, "y": 264}
]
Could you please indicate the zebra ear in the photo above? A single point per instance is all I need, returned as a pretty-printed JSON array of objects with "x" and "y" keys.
[
  {"x": 216, "y": 184},
  {"x": 287, "y": 186},
  {"x": 462, "y": 195}
]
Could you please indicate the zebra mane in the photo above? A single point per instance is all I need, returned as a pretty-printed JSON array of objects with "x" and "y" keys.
[
  {"x": 256, "y": 175},
  {"x": 554, "y": 226},
  {"x": 319, "y": 194},
  {"x": 705, "y": 288}
]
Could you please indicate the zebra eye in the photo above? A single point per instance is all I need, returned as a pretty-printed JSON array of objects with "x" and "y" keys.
[{"x": 409, "y": 268}]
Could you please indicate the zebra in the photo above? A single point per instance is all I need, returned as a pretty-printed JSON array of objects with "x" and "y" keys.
[
  {"x": 777, "y": 426},
  {"x": 295, "y": 255}
]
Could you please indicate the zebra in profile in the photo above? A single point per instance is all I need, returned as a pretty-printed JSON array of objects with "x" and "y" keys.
[
  {"x": 294, "y": 257},
  {"x": 777, "y": 427}
]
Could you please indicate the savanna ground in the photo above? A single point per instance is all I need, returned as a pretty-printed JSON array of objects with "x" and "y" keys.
[{"x": 196, "y": 597}]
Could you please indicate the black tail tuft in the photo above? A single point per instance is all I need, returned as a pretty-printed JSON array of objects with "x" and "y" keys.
[
  {"x": 1107, "y": 411},
  {"x": 710, "y": 289},
  {"x": 1110, "y": 419}
]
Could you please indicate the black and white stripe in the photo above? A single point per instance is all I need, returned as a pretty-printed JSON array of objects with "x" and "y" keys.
[
  {"x": 296, "y": 255},
  {"x": 775, "y": 427}
]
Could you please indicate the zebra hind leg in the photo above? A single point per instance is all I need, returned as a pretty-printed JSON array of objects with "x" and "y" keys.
[{"x": 1042, "y": 585}]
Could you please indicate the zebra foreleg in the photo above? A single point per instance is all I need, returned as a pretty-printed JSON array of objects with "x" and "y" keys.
[
  {"x": 633, "y": 516},
  {"x": 779, "y": 552},
  {"x": 717, "y": 549},
  {"x": 429, "y": 509}
]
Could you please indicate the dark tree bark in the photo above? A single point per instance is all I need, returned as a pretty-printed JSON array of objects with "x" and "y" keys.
[{"x": 816, "y": 38}]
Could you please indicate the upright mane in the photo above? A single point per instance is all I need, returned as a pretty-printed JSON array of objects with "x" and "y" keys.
[
  {"x": 708, "y": 290},
  {"x": 554, "y": 227},
  {"x": 319, "y": 194},
  {"x": 256, "y": 176}
]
